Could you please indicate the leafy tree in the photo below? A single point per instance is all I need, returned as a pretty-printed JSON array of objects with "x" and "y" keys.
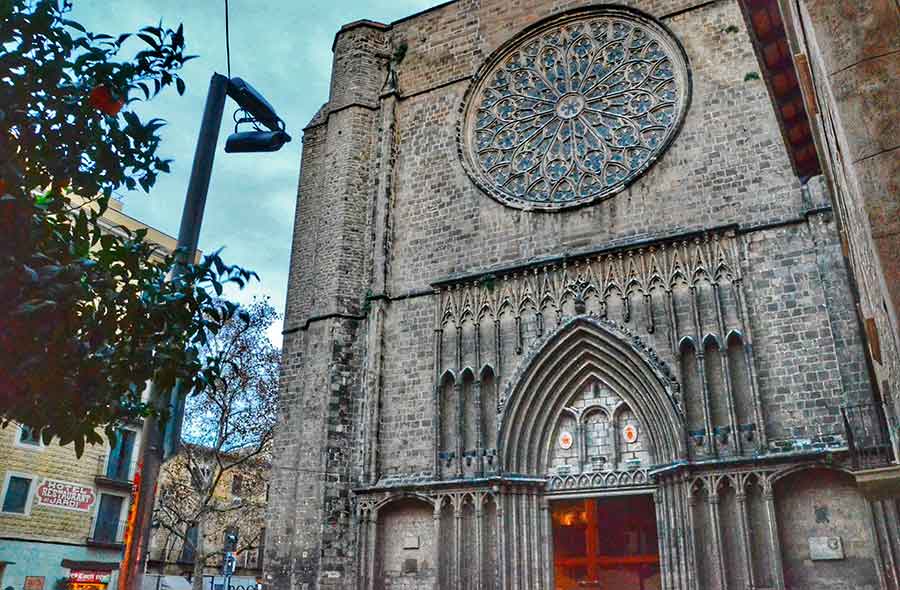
[
  {"x": 227, "y": 435},
  {"x": 88, "y": 316}
]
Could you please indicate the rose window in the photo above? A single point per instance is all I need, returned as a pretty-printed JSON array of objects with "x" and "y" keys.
[{"x": 574, "y": 111}]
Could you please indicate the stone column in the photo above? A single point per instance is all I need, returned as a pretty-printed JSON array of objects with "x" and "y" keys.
[
  {"x": 460, "y": 406},
  {"x": 662, "y": 526},
  {"x": 437, "y": 354},
  {"x": 440, "y": 550},
  {"x": 457, "y": 543},
  {"x": 515, "y": 538},
  {"x": 715, "y": 523},
  {"x": 673, "y": 320},
  {"x": 534, "y": 537},
  {"x": 688, "y": 561},
  {"x": 479, "y": 542},
  {"x": 692, "y": 504},
  {"x": 746, "y": 546},
  {"x": 774, "y": 541},
  {"x": 362, "y": 546},
  {"x": 373, "y": 383},
  {"x": 709, "y": 444},
  {"x": 751, "y": 366},
  {"x": 546, "y": 541},
  {"x": 371, "y": 555},
  {"x": 500, "y": 499}
]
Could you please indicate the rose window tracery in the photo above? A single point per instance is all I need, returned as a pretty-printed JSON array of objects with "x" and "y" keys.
[{"x": 576, "y": 110}]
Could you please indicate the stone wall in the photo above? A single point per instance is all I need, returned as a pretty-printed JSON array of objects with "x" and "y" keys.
[
  {"x": 817, "y": 505},
  {"x": 416, "y": 302},
  {"x": 727, "y": 165},
  {"x": 852, "y": 49}
]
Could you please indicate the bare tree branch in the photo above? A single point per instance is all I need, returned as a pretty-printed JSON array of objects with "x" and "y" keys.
[{"x": 228, "y": 433}]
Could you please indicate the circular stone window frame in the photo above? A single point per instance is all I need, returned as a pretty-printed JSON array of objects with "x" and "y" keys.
[{"x": 465, "y": 122}]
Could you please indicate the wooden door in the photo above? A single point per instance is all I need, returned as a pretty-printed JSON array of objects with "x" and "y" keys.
[{"x": 606, "y": 543}]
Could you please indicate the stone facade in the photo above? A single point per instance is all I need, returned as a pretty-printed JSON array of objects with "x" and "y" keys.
[
  {"x": 471, "y": 385},
  {"x": 852, "y": 51}
]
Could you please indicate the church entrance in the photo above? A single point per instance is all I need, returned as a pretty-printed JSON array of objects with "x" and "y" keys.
[{"x": 606, "y": 543}]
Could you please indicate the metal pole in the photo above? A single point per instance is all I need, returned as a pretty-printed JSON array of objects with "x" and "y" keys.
[{"x": 152, "y": 440}]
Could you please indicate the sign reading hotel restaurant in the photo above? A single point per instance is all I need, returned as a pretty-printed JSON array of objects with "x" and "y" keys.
[{"x": 69, "y": 496}]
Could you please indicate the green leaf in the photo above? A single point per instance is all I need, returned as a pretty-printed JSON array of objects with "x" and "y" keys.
[
  {"x": 149, "y": 40},
  {"x": 99, "y": 316}
]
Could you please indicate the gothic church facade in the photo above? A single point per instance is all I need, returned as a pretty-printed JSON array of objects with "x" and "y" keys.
[{"x": 567, "y": 310}]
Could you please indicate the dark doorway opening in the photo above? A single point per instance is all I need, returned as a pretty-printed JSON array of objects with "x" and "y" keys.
[{"x": 606, "y": 543}]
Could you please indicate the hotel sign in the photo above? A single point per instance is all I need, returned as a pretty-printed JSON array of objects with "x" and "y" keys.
[{"x": 69, "y": 496}]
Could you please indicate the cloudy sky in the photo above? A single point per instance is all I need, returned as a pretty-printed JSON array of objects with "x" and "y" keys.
[{"x": 283, "y": 48}]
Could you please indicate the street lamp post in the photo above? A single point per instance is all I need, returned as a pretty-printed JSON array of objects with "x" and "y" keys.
[{"x": 156, "y": 444}]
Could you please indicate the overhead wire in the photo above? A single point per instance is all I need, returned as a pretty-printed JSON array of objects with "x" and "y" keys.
[{"x": 227, "y": 43}]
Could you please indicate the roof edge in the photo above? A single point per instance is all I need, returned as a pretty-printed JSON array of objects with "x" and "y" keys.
[{"x": 363, "y": 22}]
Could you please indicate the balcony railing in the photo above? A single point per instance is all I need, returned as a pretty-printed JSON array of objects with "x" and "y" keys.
[
  {"x": 107, "y": 532},
  {"x": 867, "y": 436}
]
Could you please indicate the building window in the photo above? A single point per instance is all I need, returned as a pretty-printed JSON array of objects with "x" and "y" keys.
[
  {"x": 108, "y": 523},
  {"x": 189, "y": 546},
  {"x": 236, "y": 483},
  {"x": 119, "y": 465},
  {"x": 29, "y": 438},
  {"x": 17, "y": 494}
]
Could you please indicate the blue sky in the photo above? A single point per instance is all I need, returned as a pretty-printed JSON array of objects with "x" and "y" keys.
[{"x": 283, "y": 48}]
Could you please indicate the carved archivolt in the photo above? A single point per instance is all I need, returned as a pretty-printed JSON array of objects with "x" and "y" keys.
[{"x": 583, "y": 352}]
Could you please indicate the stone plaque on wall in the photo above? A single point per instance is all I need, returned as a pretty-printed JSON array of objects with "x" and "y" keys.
[
  {"x": 411, "y": 542},
  {"x": 825, "y": 548}
]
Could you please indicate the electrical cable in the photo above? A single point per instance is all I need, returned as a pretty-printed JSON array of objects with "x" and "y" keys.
[{"x": 227, "y": 43}]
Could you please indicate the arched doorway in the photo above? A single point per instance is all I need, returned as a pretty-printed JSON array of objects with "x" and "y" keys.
[
  {"x": 405, "y": 546},
  {"x": 590, "y": 414}
]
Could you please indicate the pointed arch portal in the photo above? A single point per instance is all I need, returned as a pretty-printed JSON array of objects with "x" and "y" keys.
[
  {"x": 592, "y": 412},
  {"x": 583, "y": 350}
]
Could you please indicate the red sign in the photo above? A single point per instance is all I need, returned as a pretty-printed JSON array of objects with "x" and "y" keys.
[
  {"x": 70, "y": 496},
  {"x": 88, "y": 577}
]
